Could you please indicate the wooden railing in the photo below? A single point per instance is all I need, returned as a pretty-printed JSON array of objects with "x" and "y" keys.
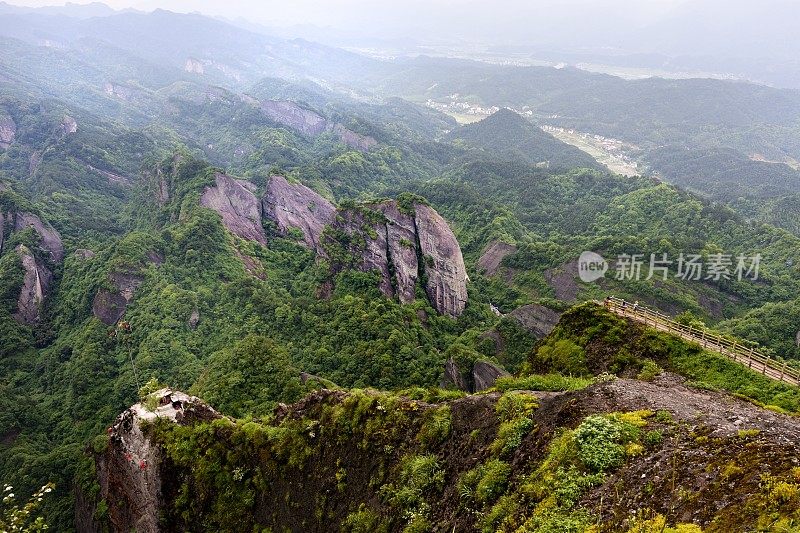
[{"x": 709, "y": 340}]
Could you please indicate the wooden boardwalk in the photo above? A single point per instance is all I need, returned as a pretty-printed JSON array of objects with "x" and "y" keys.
[{"x": 746, "y": 356}]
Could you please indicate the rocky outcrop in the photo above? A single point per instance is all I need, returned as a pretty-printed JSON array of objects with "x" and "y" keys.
[
  {"x": 452, "y": 377},
  {"x": 84, "y": 254},
  {"x": 404, "y": 246},
  {"x": 401, "y": 240},
  {"x": 109, "y": 305},
  {"x": 443, "y": 263},
  {"x": 481, "y": 377},
  {"x": 493, "y": 255},
  {"x": 237, "y": 204},
  {"x": 8, "y": 131},
  {"x": 68, "y": 125},
  {"x": 130, "y": 471},
  {"x": 484, "y": 374},
  {"x": 50, "y": 238},
  {"x": 38, "y": 276},
  {"x": 35, "y": 286},
  {"x": 537, "y": 319},
  {"x": 312, "y": 124},
  {"x": 293, "y": 205}
]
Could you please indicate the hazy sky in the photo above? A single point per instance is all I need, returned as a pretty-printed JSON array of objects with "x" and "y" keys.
[{"x": 348, "y": 14}]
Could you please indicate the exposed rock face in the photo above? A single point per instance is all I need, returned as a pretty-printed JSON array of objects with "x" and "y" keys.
[
  {"x": 8, "y": 130},
  {"x": 51, "y": 240},
  {"x": 108, "y": 306},
  {"x": 68, "y": 125},
  {"x": 130, "y": 471},
  {"x": 484, "y": 374},
  {"x": 391, "y": 243},
  {"x": 312, "y": 124},
  {"x": 84, "y": 254},
  {"x": 194, "y": 319},
  {"x": 297, "y": 206},
  {"x": 35, "y": 286},
  {"x": 402, "y": 247},
  {"x": 452, "y": 377},
  {"x": 238, "y": 205},
  {"x": 493, "y": 255},
  {"x": 537, "y": 319},
  {"x": 444, "y": 264},
  {"x": 298, "y": 118}
]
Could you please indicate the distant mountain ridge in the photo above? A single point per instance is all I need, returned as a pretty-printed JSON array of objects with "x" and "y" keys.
[{"x": 506, "y": 135}]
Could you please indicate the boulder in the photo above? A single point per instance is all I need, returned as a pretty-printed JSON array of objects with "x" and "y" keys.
[
  {"x": 493, "y": 255},
  {"x": 130, "y": 471},
  {"x": 238, "y": 206},
  {"x": 537, "y": 319},
  {"x": 8, "y": 131},
  {"x": 293, "y": 205},
  {"x": 443, "y": 262},
  {"x": 484, "y": 374},
  {"x": 35, "y": 286},
  {"x": 51, "y": 240}
]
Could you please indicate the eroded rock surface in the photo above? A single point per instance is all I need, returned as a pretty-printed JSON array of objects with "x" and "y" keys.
[
  {"x": 537, "y": 319},
  {"x": 293, "y": 205},
  {"x": 484, "y": 374},
  {"x": 130, "y": 471},
  {"x": 109, "y": 305},
  {"x": 493, "y": 255},
  {"x": 386, "y": 239},
  {"x": 311, "y": 123},
  {"x": 51, "y": 240},
  {"x": 35, "y": 287},
  {"x": 443, "y": 262},
  {"x": 236, "y": 201}
]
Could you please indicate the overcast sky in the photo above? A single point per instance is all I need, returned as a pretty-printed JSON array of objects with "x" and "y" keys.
[{"x": 349, "y": 14}]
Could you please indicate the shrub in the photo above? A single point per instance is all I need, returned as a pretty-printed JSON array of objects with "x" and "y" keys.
[
  {"x": 513, "y": 405},
  {"x": 563, "y": 356},
  {"x": 597, "y": 439},
  {"x": 649, "y": 371}
]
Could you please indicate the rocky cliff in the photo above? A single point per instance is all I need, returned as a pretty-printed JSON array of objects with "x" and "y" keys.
[
  {"x": 50, "y": 238},
  {"x": 293, "y": 205},
  {"x": 627, "y": 454},
  {"x": 404, "y": 246},
  {"x": 131, "y": 470},
  {"x": 237, "y": 203},
  {"x": 109, "y": 305},
  {"x": 35, "y": 287},
  {"x": 37, "y": 264},
  {"x": 312, "y": 124}
]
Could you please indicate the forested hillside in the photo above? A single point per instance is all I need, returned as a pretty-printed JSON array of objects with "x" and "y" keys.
[{"x": 180, "y": 209}]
